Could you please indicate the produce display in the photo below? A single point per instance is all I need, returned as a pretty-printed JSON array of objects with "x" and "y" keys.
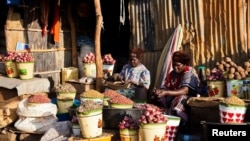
[
  {"x": 110, "y": 93},
  {"x": 151, "y": 114},
  {"x": 228, "y": 69},
  {"x": 120, "y": 99},
  {"x": 89, "y": 58},
  {"x": 10, "y": 56},
  {"x": 24, "y": 57},
  {"x": 38, "y": 98},
  {"x": 64, "y": 88},
  {"x": 233, "y": 100},
  {"x": 215, "y": 74},
  {"x": 128, "y": 122},
  {"x": 107, "y": 59},
  {"x": 92, "y": 94},
  {"x": 88, "y": 106}
]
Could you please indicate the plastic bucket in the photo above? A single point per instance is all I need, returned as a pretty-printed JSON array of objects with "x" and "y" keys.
[
  {"x": 151, "y": 132},
  {"x": 11, "y": 69},
  {"x": 232, "y": 113},
  {"x": 97, "y": 100},
  {"x": 234, "y": 87},
  {"x": 25, "y": 70},
  {"x": 108, "y": 69},
  {"x": 89, "y": 70},
  {"x": 129, "y": 135},
  {"x": 91, "y": 125},
  {"x": 66, "y": 95},
  {"x": 64, "y": 105},
  {"x": 216, "y": 88},
  {"x": 173, "y": 123}
]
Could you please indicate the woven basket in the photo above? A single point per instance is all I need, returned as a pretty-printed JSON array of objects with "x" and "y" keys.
[{"x": 117, "y": 85}]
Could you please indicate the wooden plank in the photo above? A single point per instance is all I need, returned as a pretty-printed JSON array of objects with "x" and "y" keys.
[{"x": 73, "y": 34}]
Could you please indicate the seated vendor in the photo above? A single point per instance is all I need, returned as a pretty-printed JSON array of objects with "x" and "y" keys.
[
  {"x": 135, "y": 73},
  {"x": 180, "y": 84}
]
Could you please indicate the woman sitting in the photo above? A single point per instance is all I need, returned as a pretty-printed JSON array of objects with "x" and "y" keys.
[
  {"x": 135, "y": 74},
  {"x": 181, "y": 83}
]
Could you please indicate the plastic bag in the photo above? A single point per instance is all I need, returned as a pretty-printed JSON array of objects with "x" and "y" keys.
[
  {"x": 35, "y": 125},
  {"x": 37, "y": 110}
]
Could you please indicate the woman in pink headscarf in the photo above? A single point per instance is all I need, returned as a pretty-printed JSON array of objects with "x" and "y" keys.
[{"x": 181, "y": 83}]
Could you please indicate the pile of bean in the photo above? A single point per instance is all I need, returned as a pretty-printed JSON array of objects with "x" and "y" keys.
[
  {"x": 234, "y": 100},
  {"x": 87, "y": 106},
  {"x": 92, "y": 94},
  {"x": 65, "y": 88},
  {"x": 110, "y": 93},
  {"x": 120, "y": 100},
  {"x": 38, "y": 98}
]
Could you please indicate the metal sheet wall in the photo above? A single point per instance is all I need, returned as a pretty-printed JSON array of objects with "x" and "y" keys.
[{"x": 212, "y": 29}]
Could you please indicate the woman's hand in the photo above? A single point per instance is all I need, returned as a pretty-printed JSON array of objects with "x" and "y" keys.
[
  {"x": 131, "y": 82},
  {"x": 160, "y": 92}
]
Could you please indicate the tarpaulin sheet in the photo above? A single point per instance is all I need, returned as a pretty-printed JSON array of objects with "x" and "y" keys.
[{"x": 30, "y": 86}]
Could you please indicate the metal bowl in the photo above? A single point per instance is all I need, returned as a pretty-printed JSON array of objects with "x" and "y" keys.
[{"x": 112, "y": 116}]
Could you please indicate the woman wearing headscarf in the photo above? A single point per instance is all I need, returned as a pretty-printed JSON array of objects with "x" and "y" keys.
[
  {"x": 180, "y": 84},
  {"x": 135, "y": 73}
]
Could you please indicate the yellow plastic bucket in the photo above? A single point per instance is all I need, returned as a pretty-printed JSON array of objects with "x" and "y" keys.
[
  {"x": 64, "y": 105},
  {"x": 11, "y": 69},
  {"x": 129, "y": 135},
  {"x": 67, "y": 95},
  {"x": 151, "y": 132},
  {"x": 25, "y": 70},
  {"x": 216, "y": 88},
  {"x": 91, "y": 125},
  {"x": 89, "y": 70}
]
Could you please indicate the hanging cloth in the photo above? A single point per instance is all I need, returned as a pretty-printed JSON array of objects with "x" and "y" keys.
[
  {"x": 44, "y": 16},
  {"x": 55, "y": 29},
  {"x": 164, "y": 66},
  {"x": 122, "y": 12}
]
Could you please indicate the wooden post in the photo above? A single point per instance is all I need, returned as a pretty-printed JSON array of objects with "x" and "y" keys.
[
  {"x": 73, "y": 34},
  {"x": 99, "y": 72}
]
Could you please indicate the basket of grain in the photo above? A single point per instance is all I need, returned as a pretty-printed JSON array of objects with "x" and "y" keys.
[
  {"x": 117, "y": 85},
  {"x": 232, "y": 110}
]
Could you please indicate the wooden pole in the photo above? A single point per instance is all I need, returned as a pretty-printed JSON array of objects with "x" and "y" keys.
[
  {"x": 99, "y": 20},
  {"x": 73, "y": 34}
]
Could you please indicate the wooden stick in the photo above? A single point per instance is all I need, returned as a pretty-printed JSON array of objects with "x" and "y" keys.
[
  {"x": 73, "y": 34},
  {"x": 99, "y": 72}
]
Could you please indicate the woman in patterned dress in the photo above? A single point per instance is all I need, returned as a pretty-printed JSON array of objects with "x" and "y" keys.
[
  {"x": 180, "y": 84},
  {"x": 135, "y": 73}
]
